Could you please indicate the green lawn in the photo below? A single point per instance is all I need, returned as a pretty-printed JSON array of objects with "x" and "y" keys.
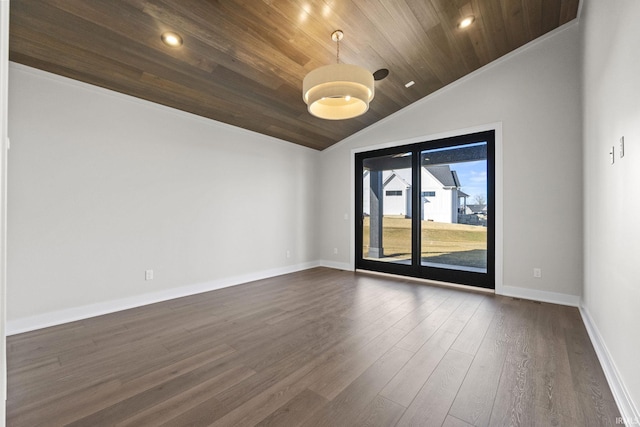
[{"x": 457, "y": 244}]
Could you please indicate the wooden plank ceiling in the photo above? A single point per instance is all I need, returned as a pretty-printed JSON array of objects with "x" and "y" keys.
[{"x": 243, "y": 61}]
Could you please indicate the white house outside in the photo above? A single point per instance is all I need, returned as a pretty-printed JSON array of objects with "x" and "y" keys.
[{"x": 440, "y": 193}]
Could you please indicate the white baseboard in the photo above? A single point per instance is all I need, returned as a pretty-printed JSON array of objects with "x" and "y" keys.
[
  {"x": 54, "y": 318},
  {"x": 542, "y": 296},
  {"x": 627, "y": 408},
  {"x": 337, "y": 265}
]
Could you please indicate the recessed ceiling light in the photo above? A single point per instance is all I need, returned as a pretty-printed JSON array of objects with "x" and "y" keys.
[
  {"x": 411, "y": 83},
  {"x": 466, "y": 21},
  {"x": 171, "y": 39}
]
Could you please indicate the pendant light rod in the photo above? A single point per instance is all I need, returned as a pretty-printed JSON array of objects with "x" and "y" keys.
[{"x": 336, "y": 36}]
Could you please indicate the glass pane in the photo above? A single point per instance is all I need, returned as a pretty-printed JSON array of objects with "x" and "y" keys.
[
  {"x": 386, "y": 207},
  {"x": 453, "y": 206}
]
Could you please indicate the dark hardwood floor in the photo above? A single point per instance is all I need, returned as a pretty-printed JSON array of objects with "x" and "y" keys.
[{"x": 315, "y": 348}]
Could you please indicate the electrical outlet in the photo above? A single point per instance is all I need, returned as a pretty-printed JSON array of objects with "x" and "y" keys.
[
  {"x": 335, "y": 251},
  {"x": 288, "y": 254},
  {"x": 537, "y": 273},
  {"x": 148, "y": 275}
]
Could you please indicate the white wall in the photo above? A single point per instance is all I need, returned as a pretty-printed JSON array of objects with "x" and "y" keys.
[
  {"x": 103, "y": 186},
  {"x": 393, "y": 205},
  {"x": 440, "y": 208},
  {"x": 611, "y": 38},
  {"x": 535, "y": 93},
  {"x": 4, "y": 74}
]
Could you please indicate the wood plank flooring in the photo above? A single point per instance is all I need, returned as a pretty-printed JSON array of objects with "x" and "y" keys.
[{"x": 316, "y": 348}]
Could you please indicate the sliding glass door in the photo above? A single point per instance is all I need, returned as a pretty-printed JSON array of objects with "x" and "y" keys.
[
  {"x": 427, "y": 210},
  {"x": 386, "y": 208}
]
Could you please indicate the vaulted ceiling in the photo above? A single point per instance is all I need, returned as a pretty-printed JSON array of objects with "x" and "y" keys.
[{"x": 243, "y": 61}]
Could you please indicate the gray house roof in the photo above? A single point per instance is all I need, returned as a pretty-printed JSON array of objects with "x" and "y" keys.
[
  {"x": 443, "y": 174},
  {"x": 478, "y": 208}
]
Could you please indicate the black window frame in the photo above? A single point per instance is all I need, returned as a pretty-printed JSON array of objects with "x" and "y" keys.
[{"x": 415, "y": 269}]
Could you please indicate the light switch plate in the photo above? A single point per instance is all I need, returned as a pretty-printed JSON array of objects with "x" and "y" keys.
[{"x": 612, "y": 154}]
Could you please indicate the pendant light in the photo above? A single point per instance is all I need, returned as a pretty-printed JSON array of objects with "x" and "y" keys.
[{"x": 338, "y": 91}]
